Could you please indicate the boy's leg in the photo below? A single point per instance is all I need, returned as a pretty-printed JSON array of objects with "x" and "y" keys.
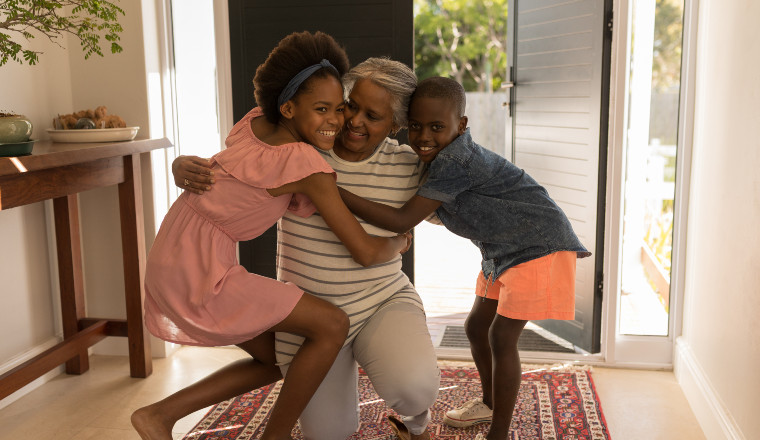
[
  {"x": 477, "y": 327},
  {"x": 507, "y": 373},
  {"x": 396, "y": 351},
  {"x": 333, "y": 411},
  {"x": 543, "y": 288}
]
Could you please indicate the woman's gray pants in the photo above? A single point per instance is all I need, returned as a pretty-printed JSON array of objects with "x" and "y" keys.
[{"x": 395, "y": 350}]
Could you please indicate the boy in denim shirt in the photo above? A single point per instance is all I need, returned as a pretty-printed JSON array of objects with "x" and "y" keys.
[{"x": 528, "y": 246}]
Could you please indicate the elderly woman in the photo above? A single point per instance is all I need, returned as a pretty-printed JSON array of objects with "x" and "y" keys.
[{"x": 388, "y": 336}]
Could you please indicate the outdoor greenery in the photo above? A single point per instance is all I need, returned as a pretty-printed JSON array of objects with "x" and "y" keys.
[
  {"x": 666, "y": 80},
  {"x": 87, "y": 20},
  {"x": 463, "y": 39},
  {"x": 668, "y": 30}
]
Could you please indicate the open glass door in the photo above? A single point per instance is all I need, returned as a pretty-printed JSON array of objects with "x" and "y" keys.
[
  {"x": 655, "y": 61},
  {"x": 652, "y": 143}
]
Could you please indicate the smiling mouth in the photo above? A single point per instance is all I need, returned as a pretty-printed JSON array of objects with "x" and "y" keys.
[
  {"x": 355, "y": 133},
  {"x": 328, "y": 133},
  {"x": 426, "y": 149}
]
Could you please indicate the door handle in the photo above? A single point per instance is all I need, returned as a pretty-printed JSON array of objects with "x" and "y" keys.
[{"x": 508, "y": 85}]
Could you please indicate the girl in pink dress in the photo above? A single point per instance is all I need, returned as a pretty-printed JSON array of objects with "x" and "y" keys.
[{"x": 196, "y": 293}]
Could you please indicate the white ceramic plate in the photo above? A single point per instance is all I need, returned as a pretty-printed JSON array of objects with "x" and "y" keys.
[{"x": 94, "y": 135}]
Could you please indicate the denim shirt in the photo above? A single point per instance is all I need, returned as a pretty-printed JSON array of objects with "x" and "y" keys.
[{"x": 498, "y": 206}]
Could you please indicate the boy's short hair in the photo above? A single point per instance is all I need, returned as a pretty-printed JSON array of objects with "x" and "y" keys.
[
  {"x": 292, "y": 54},
  {"x": 442, "y": 88}
]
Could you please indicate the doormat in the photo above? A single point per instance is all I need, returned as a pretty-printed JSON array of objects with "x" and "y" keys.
[
  {"x": 555, "y": 402},
  {"x": 530, "y": 340}
]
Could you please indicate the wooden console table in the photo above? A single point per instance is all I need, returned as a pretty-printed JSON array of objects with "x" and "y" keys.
[{"x": 59, "y": 171}]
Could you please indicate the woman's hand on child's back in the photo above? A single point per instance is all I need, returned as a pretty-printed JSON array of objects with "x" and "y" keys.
[
  {"x": 192, "y": 173},
  {"x": 408, "y": 237}
]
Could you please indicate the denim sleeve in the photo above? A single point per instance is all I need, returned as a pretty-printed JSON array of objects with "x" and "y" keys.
[{"x": 447, "y": 178}]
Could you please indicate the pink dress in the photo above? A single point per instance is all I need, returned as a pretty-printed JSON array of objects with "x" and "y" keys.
[{"x": 196, "y": 292}]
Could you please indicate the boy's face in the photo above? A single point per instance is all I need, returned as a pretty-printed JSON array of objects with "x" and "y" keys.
[{"x": 433, "y": 124}]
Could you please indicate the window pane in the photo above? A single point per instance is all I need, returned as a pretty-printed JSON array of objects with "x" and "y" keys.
[
  {"x": 655, "y": 66},
  {"x": 195, "y": 76}
]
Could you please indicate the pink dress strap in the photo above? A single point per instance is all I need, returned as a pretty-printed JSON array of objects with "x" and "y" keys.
[{"x": 261, "y": 165}]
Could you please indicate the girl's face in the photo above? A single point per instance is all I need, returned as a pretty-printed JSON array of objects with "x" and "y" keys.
[
  {"x": 369, "y": 119},
  {"x": 316, "y": 114},
  {"x": 433, "y": 124}
]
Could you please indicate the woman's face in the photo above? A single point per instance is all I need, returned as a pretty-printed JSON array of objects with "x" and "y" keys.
[{"x": 369, "y": 119}]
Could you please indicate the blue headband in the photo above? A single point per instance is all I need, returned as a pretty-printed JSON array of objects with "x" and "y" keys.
[{"x": 290, "y": 90}]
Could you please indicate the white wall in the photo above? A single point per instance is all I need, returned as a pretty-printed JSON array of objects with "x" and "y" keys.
[
  {"x": 63, "y": 82},
  {"x": 120, "y": 82},
  {"x": 718, "y": 356},
  {"x": 28, "y": 309}
]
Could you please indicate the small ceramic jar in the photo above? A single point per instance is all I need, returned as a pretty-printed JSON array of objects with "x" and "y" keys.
[{"x": 14, "y": 129}]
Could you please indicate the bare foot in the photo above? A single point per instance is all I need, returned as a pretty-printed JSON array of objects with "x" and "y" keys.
[{"x": 148, "y": 422}]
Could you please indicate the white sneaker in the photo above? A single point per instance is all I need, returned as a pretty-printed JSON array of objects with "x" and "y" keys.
[{"x": 471, "y": 413}]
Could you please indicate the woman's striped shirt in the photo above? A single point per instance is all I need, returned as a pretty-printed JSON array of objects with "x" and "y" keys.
[{"x": 312, "y": 257}]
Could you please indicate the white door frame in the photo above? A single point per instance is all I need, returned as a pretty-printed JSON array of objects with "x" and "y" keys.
[{"x": 628, "y": 350}]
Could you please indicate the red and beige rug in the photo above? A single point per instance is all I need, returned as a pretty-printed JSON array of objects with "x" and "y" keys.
[{"x": 555, "y": 403}]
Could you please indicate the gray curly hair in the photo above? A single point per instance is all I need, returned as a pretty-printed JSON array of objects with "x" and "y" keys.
[{"x": 395, "y": 77}]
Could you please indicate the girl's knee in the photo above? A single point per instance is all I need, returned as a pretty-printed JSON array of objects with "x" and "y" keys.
[{"x": 335, "y": 324}]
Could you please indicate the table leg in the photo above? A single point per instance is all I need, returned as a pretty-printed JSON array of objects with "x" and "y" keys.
[
  {"x": 133, "y": 248},
  {"x": 68, "y": 243}
]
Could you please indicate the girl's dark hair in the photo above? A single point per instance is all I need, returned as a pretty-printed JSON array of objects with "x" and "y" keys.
[{"x": 292, "y": 54}]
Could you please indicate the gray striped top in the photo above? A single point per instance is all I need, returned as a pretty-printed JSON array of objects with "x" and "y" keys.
[{"x": 312, "y": 257}]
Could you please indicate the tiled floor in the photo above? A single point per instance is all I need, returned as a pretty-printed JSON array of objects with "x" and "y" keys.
[{"x": 638, "y": 405}]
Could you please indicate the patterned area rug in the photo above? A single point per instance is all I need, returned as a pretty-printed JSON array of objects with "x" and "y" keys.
[{"x": 555, "y": 402}]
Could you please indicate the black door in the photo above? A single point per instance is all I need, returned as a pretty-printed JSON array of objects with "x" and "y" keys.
[{"x": 366, "y": 28}]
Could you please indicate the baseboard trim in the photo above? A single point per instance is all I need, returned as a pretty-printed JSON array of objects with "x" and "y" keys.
[
  {"x": 713, "y": 416},
  {"x": 23, "y": 357}
]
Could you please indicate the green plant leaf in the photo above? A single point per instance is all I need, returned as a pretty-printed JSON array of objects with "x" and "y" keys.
[{"x": 87, "y": 20}]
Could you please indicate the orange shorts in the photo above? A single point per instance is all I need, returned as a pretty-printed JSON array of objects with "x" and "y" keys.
[{"x": 543, "y": 288}]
